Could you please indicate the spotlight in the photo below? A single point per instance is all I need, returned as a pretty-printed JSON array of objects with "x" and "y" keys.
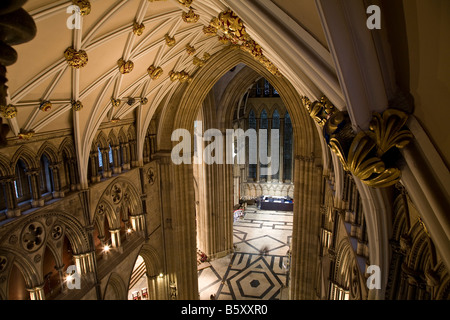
[
  {"x": 129, "y": 230},
  {"x": 106, "y": 248},
  {"x": 161, "y": 275}
]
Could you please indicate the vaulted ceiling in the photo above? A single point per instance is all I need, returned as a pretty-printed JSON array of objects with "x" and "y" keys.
[{"x": 43, "y": 86}]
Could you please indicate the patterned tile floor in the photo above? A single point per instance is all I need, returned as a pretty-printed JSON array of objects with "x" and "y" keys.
[{"x": 247, "y": 274}]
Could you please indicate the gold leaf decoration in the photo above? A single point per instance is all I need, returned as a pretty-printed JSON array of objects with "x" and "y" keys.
[
  {"x": 76, "y": 59},
  {"x": 77, "y": 105},
  {"x": 367, "y": 154},
  {"x": 84, "y": 5},
  {"x": 386, "y": 130},
  {"x": 190, "y": 50},
  {"x": 209, "y": 30},
  {"x": 8, "y": 112},
  {"x": 138, "y": 29},
  {"x": 233, "y": 32},
  {"x": 154, "y": 72},
  {"x": 115, "y": 102},
  {"x": 181, "y": 76},
  {"x": 26, "y": 135},
  {"x": 190, "y": 16},
  {"x": 186, "y": 3},
  {"x": 45, "y": 106},
  {"x": 125, "y": 67},
  {"x": 170, "y": 41}
]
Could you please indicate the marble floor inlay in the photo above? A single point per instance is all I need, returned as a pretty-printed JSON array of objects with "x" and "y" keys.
[{"x": 257, "y": 269}]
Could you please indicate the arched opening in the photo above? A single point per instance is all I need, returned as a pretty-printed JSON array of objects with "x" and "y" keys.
[
  {"x": 147, "y": 282},
  {"x": 52, "y": 273},
  {"x": 22, "y": 183},
  {"x": 181, "y": 112},
  {"x": 17, "y": 285}
]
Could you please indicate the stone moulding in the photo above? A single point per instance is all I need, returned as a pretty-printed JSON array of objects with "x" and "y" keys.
[{"x": 369, "y": 155}]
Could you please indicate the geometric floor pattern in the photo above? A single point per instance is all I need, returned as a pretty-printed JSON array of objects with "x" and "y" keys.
[{"x": 257, "y": 270}]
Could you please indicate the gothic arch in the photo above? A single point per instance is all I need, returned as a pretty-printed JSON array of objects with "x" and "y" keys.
[
  {"x": 53, "y": 155},
  {"x": 115, "y": 288},
  {"x": 180, "y": 113},
  {"x": 112, "y": 138},
  {"x": 68, "y": 147},
  {"x": 152, "y": 260},
  {"x": 5, "y": 168},
  {"x": 28, "y": 157}
]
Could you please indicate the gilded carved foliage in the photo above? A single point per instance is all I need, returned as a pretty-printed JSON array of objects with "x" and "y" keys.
[
  {"x": 369, "y": 155},
  {"x": 8, "y": 112},
  {"x": 190, "y": 16},
  {"x": 138, "y": 28},
  {"x": 76, "y": 59},
  {"x": 233, "y": 32},
  {"x": 170, "y": 41},
  {"x": 154, "y": 72},
  {"x": 84, "y": 5},
  {"x": 125, "y": 66}
]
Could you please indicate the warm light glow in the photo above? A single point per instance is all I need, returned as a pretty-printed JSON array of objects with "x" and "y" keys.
[
  {"x": 69, "y": 278},
  {"x": 106, "y": 248},
  {"x": 161, "y": 275},
  {"x": 129, "y": 230}
]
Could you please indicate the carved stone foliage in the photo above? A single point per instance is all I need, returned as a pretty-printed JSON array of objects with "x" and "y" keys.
[
  {"x": 84, "y": 5},
  {"x": 370, "y": 155},
  {"x": 125, "y": 66},
  {"x": 190, "y": 16},
  {"x": 8, "y": 112},
  {"x": 231, "y": 30},
  {"x": 154, "y": 72},
  {"x": 76, "y": 59},
  {"x": 138, "y": 28},
  {"x": 33, "y": 236}
]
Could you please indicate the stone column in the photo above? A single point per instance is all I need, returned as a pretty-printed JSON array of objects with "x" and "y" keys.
[
  {"x": 126, "y": 156},
  {"x": 307, "y": 221},
  {"x": 258, "y": 169},
  {"x": 11, "y": 199},
  {"x": 37, "y": 293},
  {"x": 56, "y": 180},
  {"x": 269, "y": 135},
  {"x": 105, "y": 160},
  {"x": 116, "y": 160},
  {"x": 115, "y": 237},
  {"x": 280, "y": 171},
  {"x": 179, "y": 231},
  {"x": 215, "y": 214},
  {"x": 37, "y": 200}
]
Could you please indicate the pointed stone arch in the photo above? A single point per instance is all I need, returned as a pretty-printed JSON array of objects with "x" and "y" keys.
[
  {"x": 180, "y": 113},
  {"x": 50, "y": 151},
  {"x": 115, "y": 288},
  {"x": 27, "y": 156}
]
